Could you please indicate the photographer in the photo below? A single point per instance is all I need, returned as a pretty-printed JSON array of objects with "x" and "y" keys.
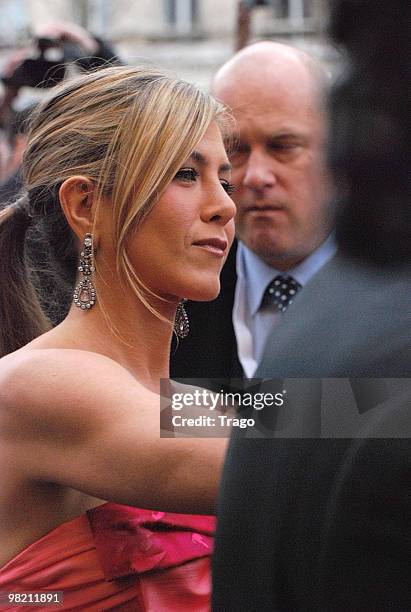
[{"x": 43, "y": 62}]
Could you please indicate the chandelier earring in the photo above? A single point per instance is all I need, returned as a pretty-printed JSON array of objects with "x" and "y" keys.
[
  {"x": 181, "y": 322},
  {"x": 84, "y": 296}
]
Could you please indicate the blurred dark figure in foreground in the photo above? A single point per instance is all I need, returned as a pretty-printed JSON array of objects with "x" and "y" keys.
[
  {"x": 43, "y": 63},
  {"x": 358, "y": 309},
  {"x": 309, "y": 524}
]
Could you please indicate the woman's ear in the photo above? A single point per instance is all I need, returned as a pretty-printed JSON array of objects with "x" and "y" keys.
[{"x": 77, "y": 197}]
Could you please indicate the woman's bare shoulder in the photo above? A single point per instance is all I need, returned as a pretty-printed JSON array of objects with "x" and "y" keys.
[
  {"x": 81, "y": 420},
  {"x": 48, "y": 377}
]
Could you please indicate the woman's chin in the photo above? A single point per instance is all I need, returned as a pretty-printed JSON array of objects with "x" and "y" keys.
[{"x": 204, "y": 293}]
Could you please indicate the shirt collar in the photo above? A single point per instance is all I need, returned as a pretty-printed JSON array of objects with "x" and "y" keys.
[{"x": 258, "y": 274}]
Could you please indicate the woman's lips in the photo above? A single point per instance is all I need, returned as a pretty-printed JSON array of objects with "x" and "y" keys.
[{"x": 216, "y": 246}]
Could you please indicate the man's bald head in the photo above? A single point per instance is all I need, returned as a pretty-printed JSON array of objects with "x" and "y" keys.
[
  {"x": 275, "y": 93},
  {"x": 268, "y": 63}
]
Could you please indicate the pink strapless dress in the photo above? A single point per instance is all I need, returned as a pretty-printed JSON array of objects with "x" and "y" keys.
[{"x": 117, "y": 557}]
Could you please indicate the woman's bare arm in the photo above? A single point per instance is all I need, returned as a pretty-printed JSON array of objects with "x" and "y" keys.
[{"x": 79, "y": 419}]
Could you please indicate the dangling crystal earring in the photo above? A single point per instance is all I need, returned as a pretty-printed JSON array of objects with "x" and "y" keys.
[
  {"x": 181, "y": 323},
  {"x": 85, "y": 294}
]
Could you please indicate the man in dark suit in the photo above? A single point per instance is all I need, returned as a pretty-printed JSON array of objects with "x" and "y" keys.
[
  {"x": 284, "y": 216},
  {"x": 323, "y": 524}
]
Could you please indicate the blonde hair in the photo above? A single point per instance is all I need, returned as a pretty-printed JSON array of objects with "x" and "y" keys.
[{"x": 129, "y": 130}]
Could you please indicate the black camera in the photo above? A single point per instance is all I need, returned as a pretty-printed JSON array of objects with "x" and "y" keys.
[
  {"x": 43, "y": 72},
  {"x": 38, "y": 71}
]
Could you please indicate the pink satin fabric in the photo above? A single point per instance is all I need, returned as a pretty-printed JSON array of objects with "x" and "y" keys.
[{"x": 117, "y": 557}]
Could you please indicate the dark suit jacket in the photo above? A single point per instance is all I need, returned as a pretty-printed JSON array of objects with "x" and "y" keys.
[
  {"x": 323, "y": 524},
  {"x": 210, "y": 349},
  {"x": 350, "y": 320}
]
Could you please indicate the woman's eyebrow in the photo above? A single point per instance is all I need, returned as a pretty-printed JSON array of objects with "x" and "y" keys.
[{"x": 203, "y": 161}]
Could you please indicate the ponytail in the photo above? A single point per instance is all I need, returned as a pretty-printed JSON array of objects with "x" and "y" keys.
[{"x": 21, "y": 316}]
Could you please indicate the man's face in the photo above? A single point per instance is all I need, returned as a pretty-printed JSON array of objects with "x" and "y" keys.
[{"x": 281, "y": 193}]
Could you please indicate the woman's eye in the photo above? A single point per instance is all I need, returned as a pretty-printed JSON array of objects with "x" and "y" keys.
[
  {"x": 228, "y": 187},
  {"x": 187, "y": 174}
]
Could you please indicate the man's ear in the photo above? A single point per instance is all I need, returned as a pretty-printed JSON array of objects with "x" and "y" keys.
[{"x": 77, "y": 197}]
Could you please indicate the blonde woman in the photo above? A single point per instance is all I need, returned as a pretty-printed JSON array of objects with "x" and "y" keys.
[{"x": 127, "y": 174}]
